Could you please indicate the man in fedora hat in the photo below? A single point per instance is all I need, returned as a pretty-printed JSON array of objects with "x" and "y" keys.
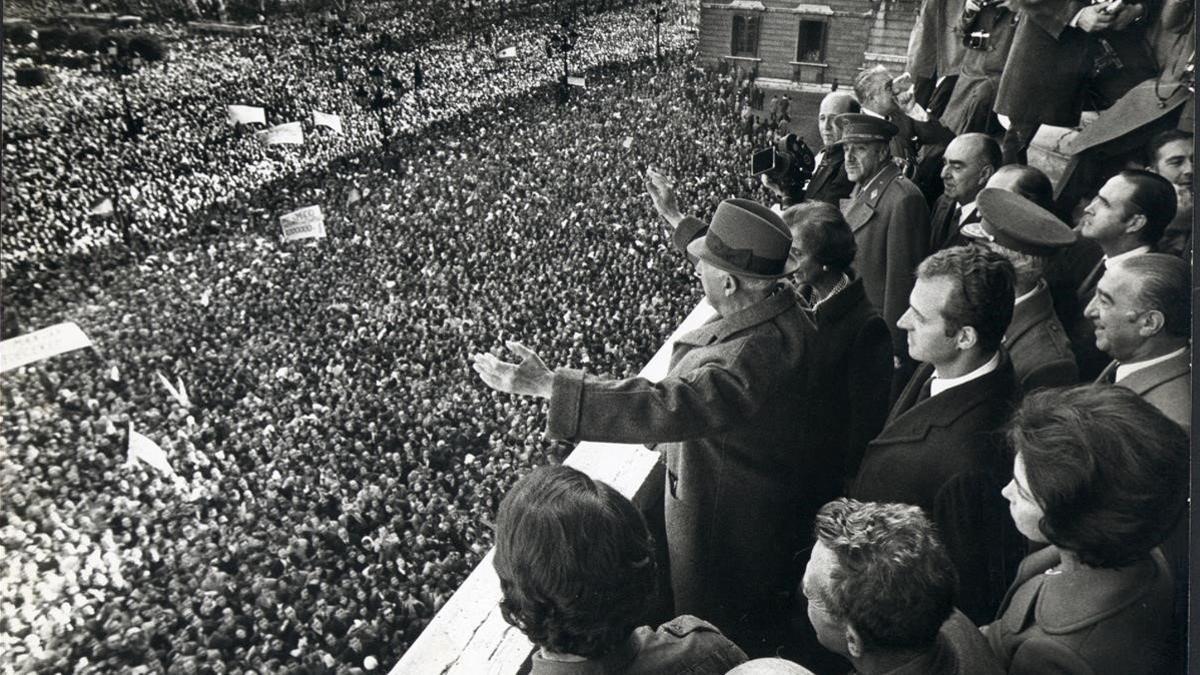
[
  {"x": 890, "y": 221},
  {"x": 725, "y": 418},
  {"x": 1028, "y": 236}
]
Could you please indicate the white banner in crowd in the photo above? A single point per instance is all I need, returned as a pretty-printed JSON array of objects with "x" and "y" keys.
[
  {"x": 145, "y": 450},
  {"x": 574, "y": 81},
  {"x": 283, "y": 133},
  {"x": 303, "y": 223},
  {"x": 179, "y": 394},
  {"x": 245, "y": 114},
  {"x": 507, "y": 53},
  {"x": 325, "y": 120},
  {"x": 103, "y": 208},
  {"x": 41, "y": 344}
]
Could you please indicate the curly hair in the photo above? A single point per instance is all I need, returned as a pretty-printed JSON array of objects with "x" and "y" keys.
[
  {"x": 575, "y": 561},
  {"x": 893, "y": 581},
  {"x": 1107, "y": 468},
  {"x": 984, "y": 291}
]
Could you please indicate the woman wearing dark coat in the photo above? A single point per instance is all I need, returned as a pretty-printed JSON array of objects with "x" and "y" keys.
[
  {"x": 854, "y": 354},
  {"x": 1101, "y": 476}
]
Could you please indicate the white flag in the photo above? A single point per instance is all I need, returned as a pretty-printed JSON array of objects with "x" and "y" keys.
[
  {"x": 283, "y": 133},
  {"x": 245, "y": 114},
  {"x": 147, "y": 451},
  {"x": 103, "y": 208},
  {"x": 303, "y": 223},
  {"x": 323, "y": 120},
  {"x": 41, "y": 344},
  {"x": 179, "y": 394},
  {"x": 507, "y": 53}
]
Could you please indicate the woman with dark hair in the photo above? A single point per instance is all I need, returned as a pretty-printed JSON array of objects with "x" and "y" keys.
[
  {"x": 576, "y": 568},
  {"x": 855, "y": 349},
  {"x": 1101, "y": 476}
]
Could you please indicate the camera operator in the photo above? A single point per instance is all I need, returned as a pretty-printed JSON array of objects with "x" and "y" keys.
[
  {"x": 822, "y": 178},
  {"x": 784, "y": 167}
]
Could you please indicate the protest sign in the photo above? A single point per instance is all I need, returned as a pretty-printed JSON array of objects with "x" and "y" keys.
[
  {"x": 245, "y": 114},
  {"x": 103, "y": 208},
  {"x": 41, "y": 344},
  {"x": 283, "y": 133},
  {"x": 576, "y": 81},
  {"x": 303, "y": 223},
  {"x": 325, "y": 120},
  {"x": 507, "y": 53}
]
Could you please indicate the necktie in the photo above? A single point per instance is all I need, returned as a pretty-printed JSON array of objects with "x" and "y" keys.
[
  {"x": 957, "y": 215},
  {"x": 1088, "y": 288}
]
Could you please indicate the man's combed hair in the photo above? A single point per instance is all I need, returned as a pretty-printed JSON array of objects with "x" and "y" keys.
[
  {"x": 984, "y": 290},
  {"x": 1153, "y": 197},
  {"x": 575, "y": 561},
  {"x": 893, "y": 581},
  {"x": 1164, "y": 285},
  {"x": 1107, "y": 468},
  {"x": 1032, "y": 183},
  {"x": 1162, "y": 138}
]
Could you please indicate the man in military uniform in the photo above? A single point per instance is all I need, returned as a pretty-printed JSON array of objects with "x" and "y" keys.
[
  {"x": 890, "y": 221},
  {"x": 1028, "y": 235}
]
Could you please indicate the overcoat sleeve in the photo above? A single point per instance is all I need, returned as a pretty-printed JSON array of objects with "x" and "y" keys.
[
  {"x": 1052, "y": 16},
  {"x": 718, "y": 394},
  {"x": 1046, "y": 656}
]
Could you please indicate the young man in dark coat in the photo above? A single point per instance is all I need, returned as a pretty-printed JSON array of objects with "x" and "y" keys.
[
  {"x": 726, "y": 419},
  {"x": 940, "y": 448}
]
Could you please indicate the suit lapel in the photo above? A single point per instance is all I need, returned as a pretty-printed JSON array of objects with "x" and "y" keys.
[
  {"x": 907, "y": 424},
  {"x": 1146, "y": 379},
  {"x": 1088, "y": 288}
]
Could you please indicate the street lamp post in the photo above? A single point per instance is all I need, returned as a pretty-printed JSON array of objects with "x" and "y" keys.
[
  {"x": 563, "y": 40},
  {"x": 379, "y": 100},
  {"x": 657, "y": 15}
]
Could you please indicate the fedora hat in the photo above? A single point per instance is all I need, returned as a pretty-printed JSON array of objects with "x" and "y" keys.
[
  {"x": 747, "y": 239},
  {"x": 861, "y": 128}
]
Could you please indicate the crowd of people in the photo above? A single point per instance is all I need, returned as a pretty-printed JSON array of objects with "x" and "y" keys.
[
  {"x": 338, "y": 467},
  {"x": 189, "y": 158}
]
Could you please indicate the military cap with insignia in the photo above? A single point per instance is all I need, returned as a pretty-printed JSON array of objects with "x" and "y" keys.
[
  {"x": 860, "y": 128},
  {"x": 1016, "y": 223}
]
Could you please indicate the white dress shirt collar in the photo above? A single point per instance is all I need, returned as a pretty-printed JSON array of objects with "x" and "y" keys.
[
  {"x": 940, "y": 384},
  {"x": 1124, "y": 370}
]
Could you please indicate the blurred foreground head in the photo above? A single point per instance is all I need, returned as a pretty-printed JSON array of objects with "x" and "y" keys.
[{"x": 575, "y": 561}]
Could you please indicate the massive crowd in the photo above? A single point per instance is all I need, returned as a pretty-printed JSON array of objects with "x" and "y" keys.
[
  {"x": 72, "y": 154},
  {"x": 338, "y": 466}
]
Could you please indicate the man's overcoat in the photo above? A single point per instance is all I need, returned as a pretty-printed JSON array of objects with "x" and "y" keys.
[{"x": 727, "y": 421}]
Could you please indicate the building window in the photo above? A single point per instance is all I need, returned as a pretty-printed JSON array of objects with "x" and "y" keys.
[
  {"x": 745, "y": 36},
  {"x": 810, "y": 46}
]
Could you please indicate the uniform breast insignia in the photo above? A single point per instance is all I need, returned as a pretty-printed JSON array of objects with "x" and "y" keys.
[{"x": 874, "y": 194}]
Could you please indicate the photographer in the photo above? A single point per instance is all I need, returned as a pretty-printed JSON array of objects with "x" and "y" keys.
[
  {"x": 986, "y": 29},
  {"x": 784, "y": 167}
]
